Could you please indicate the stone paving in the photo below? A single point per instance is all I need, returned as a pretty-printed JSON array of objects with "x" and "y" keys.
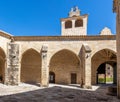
[{"x": 54, "y": 93}]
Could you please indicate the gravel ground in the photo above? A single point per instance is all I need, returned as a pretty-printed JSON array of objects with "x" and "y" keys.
[{"x": 54, "y": 93}]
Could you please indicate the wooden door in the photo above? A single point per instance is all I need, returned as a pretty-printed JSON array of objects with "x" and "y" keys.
[{"x": 73, "y": 78}]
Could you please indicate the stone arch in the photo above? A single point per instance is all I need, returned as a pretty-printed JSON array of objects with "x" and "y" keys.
[
  {"x": 100, "y": 49},
  {"x": 79, "y": 23},
  {"x": 26, "y": 49},
  {"x": 31, "y": 66},
  {"x": 65, "y": 49},
  {"x": 63, "y": 63},
  {"x": 2, "y": 65},
  {"x": 100, "y": 57},
  {"x": 68, "y": 24}
]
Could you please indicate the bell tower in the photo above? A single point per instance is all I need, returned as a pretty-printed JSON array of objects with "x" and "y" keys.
[{"x": 75, "y": 24}]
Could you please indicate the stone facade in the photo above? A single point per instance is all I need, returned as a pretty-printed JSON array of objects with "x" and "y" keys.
[
  {"x": 116, "y": 8},
  {"x": 63, "y": 56},
  {"x": 71, "y": 59}
]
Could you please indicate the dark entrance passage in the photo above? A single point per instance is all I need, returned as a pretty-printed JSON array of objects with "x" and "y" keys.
[
  {"x": 51, "y": 77},
  {"x": 101, "y": 78},
  {"x": 2, "y": 66},
  {"x": 106, "y": 73},
  {"x": 73, "y": 78},
  {"x": 1, "y": 78}
]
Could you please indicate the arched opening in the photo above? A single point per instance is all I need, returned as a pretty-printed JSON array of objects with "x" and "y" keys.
[
  {"x": 31, "y": 67},
  {"x": 63, "y": 64},
  {"x": 79, "y": 23},
  {"x": 51, "y": 77},
  {"x": 68, "y": 24},
  {"x": 106, "y": 73},
  {"x": 74, "y": 16},
  {"x": 104, "y": 65},
  {"x": 2, "y": 66}
]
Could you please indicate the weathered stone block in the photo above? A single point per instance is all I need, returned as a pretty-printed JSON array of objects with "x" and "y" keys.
[{"x": 12, "y": 70}]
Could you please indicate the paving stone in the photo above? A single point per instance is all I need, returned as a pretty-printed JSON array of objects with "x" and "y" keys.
[{"x": 31, "y": 93}]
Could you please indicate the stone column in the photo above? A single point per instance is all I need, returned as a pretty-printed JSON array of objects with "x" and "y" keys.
[
  {"x": 62, "y": 27},
  {"x": 86, "y": 77},
  {"x": 12, "y": 69},
  {"x": 73, "y": 23},
  {"x": 116, "y": 8},
  {"x": 118, "y": 60},
  {"x": 44, "y": 67}
]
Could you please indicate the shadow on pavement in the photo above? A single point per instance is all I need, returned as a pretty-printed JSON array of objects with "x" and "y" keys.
[{"x": 61, "y": 94}]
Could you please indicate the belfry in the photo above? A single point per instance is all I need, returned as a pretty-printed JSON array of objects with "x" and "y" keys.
[{"x": 75, "y": 24}]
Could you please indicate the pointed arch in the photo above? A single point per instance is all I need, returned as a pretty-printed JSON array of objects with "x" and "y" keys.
[
  {"x": 63, "y": 63},
  {"x": 106, "y": 51},
  {"x": 65, "y": 52},
  {"x": 29, "y": 50},
  {"x": 100, "y": 57},
  {"x": 31, "y": 66}
]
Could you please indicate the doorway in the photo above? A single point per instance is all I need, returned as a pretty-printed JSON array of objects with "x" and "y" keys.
[
  {"x": 106, "y": 73},
  {"x": 51, "y": 77},
  {"x": 73, "y": 78}
]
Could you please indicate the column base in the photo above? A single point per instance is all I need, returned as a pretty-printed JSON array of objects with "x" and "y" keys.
[
  {"x": 44, "y": 85},
  {"x": 11, "y": 84},
  {"x": 87, "y": 87}
]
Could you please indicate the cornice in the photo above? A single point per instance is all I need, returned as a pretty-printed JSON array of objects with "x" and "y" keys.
[
  {"x": 71, "y": 18},
  {"x": 4, "y": 34},
  {"x": 64, "y": 38}
]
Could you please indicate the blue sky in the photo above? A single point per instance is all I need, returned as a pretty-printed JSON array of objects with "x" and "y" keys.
[{"x": 42, "y": 17}]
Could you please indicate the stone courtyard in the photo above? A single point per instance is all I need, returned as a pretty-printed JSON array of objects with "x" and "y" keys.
[
  {"x": 54, "y": 93},
  {"x": 72, "y": 59}
]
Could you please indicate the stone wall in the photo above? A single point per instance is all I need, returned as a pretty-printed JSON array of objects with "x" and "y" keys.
[
  {"x": 12, "y": 69},
  {"x": 116, "y": 8},
  {"x": 69, "y": 60},
  {"x": 63, "y": 64},
  {"x": 31, "y": 63},
  {"x": 70, "y": 45}
]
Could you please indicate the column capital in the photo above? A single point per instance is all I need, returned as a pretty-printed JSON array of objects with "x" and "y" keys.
[
  {"x": 44, "y": 48},
  {"x": 87, "y": 48}
]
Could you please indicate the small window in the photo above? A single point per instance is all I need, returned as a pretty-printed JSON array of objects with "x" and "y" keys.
[
  {"x": 79, "y": 23},
  {"x": 68, "y": 24}
]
